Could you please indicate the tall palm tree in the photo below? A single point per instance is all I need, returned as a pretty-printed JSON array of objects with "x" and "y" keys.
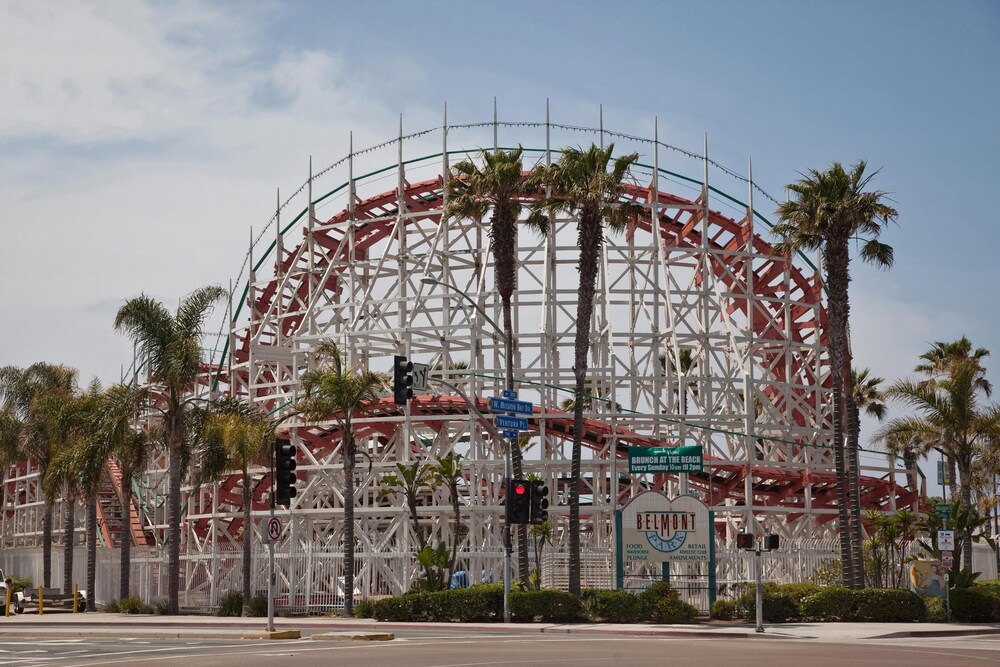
[
  {"x": 501, "y": 186},
  {"x": 951, "y": 418},
  {"x": 73, "y": 429},
  {"x": 581, "y": 184},
  {"x": 118, "y": 436},
  {"x": 35, "y": 396},
  {"x": 171, "y": 347},
  {"x": 333, "y": 390},
  {"x": 447, "y": 472},
  {"x": 828, "y": 210},
  {"x": 236, "y": 435}
]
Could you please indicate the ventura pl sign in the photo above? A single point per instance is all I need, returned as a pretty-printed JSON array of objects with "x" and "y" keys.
[{"x": 657, "y": 529}]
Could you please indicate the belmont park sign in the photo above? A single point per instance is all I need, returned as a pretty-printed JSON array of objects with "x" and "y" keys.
[{"x": 657, "y": 529}]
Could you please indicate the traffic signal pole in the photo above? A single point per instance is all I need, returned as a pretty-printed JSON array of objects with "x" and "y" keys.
[
  {"x": 508, "y": 546},
  {"x": 270, "y": 555}
]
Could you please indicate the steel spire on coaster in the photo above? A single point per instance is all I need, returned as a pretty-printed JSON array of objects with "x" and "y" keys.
[{"x": 695, "y": 275}]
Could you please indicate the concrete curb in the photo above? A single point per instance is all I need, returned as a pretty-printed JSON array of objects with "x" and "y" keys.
[
  {"x": 353, "y": 636},
  {"x": 938, "y": 633},
  {"x": 272, "y": 634}
]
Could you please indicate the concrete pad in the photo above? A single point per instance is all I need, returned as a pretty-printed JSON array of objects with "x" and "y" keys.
[
  {"x": 277, "y": 634},
  {"x": 354, "y": 636}
]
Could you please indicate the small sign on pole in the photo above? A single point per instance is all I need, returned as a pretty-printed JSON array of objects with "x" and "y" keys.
[
  {"x": 512, "y": 423},
  {"x": 419, "y": 376},
  {"x": 273, "y": 528},
  {"x": 687, "y": 458},
  {"x": 946, "y": 540},
  {"x": 509, "y": 393},
  {"x": 947, "y": 558}
]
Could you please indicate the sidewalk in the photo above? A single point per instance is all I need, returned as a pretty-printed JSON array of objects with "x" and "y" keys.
[{"x": 117, "y": 626}]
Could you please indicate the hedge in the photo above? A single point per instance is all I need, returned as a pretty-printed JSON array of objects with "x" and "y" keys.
[
  {"x": 978, "y": 604},
  {"x": 870, "y": 604}
]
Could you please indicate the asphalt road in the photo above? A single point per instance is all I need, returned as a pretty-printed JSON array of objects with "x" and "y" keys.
[{"x": 426, "y": 649}]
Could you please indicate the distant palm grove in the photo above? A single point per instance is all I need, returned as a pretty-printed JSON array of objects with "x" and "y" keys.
[{"x": 79, "y": 432}]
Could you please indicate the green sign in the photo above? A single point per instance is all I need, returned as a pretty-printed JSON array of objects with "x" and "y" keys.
[
  {"x": 687, "y": 458},
  {"x": 944, "y": 509}
]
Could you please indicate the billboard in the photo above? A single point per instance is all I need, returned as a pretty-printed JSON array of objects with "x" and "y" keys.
[{"x": 658, "y": 529}]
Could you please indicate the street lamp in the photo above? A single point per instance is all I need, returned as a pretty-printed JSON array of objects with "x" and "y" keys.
[{"x": 508, "y": 546}]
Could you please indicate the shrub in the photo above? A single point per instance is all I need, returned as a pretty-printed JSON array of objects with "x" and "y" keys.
[
  {"x": 779, "y": 606},
  {"x": 548, "y": 606},
  {"x": 477, "y": 604},
  {"x": 666, "y": 604},
  {"x": 19, "y": 585},
  {"x": 112, "y": 607},
  {"x": 975, "y": 605},
  {"x": 230, "y": 604},
  {"x": 162, "y": 607},
  {"x": 364, "y": 609},
  {"x": 936, "y": 611},
  {"x": 398, "y": 608},
  {"x": 799, "y": 591},
  {"x": 133, "y": 605},
  {"x": 617, "y": 607},
  {"x": 886, "y": 605},
  {"x": 830, "y": 604},
  {"x": 726, "y": 610},
  {"x": 257, "y": 607}
]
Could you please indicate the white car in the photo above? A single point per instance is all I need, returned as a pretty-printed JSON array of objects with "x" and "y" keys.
[{"x": 16, "y": 599}]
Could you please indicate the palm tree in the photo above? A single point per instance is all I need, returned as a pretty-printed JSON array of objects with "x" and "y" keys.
[
  {"x": 35, "y": 396},
  {"x": 827, "y": 211},
  {"x": 950, "y": 419},
  {"x": 73, "y": 429},
  {"x": 235, "y": 435},
  {"x": 170, "y": 346},
  {"x": 582, "y": 185},
  {"x": 447, "y": 471},
  {"x": 500, "y": 186},
  {"x": 936, "y": 362},
  {"x": 336, "y": 391}
]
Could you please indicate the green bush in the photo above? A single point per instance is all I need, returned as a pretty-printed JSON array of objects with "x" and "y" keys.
[
  {"x": 798, "y": 591},
  {"x": 726, "y": 610},
  {"x": 364, "y": 609},
  {"x": 830, "y": 604},
  {"x": 257, "y": 607},
  {"x": 666, "y": 604},
  {"x": 975, "y": 605},
  {"x": 230, "y": 604},
  {"x": 476, "y": 604},
  {"x": 113, "y": 607},
  {"x": 936, "y": 610},
  {"x": 133, "y": 605},
  {"x": 398, "y": 608},
  {"x": 617, "y": 607},
  {"x": 547, "y": 606},
  {"x": 779, "y": 606},
  {"x": 162, "y": 607},
  {"x": 20, "y": 585},
  {"x": 888, "y": 605}
]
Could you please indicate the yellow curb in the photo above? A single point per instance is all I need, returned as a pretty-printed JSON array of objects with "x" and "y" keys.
[
  {"x": 354, "y": 636},
  {"x": 277, "y": 634}
]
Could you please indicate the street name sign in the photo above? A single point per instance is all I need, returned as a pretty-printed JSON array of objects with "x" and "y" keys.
[
  {"x": 507, "y": 433},
  {"x": 944, "y": 509},
  {"x": 509, "y": 393},
  {"x": 512, "y": 423},
  {"x": 509, "y": 405},
  {"x": 686, "y": 458}
]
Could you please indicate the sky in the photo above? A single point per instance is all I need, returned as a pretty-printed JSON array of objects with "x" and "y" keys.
[{"x": 141, "y": 141}]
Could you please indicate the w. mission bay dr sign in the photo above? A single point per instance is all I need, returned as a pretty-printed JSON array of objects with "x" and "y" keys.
[{"x": 657, "y": 529}]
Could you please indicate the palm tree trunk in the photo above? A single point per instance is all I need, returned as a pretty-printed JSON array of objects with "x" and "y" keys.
[
  {"x": 92, "y": 551},
  {"x": 349, "y": 523},
  {"x": 47, "y": 546},
  {"x": 837, "y": 258},
  {"x": 69, "y": 534},
  {"x": 174, "y": 523},
  {"x": 125, "y": 548},
  {"x": 453, "y": 488},
  {"x": 590, "y": 240},
  {"x": 247, "y": 541},
  {"x": 854, "y": 479},
  {"x": 965, "y": 475}
]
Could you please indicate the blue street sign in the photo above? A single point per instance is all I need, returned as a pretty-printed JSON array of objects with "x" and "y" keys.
[
  {"x": 511, "y": 434},
  {"x": 519, "y": 423},
  {"x": 509, "y": 393},
  {"x": 507, "y": 405}
]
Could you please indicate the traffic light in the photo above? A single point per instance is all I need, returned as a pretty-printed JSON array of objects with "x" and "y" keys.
[
  {"x": 402, "y": 379},
  {"x": 518, "y": 501},
  {"x": 538, "y": 496},
  {"x": 744, "y": 541},
  {"x": 770, "y": 542},
  {"x": 284, "y": 471}
]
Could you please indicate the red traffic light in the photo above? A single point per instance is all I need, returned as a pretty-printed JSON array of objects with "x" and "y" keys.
[{"x": 520, "y": 489}]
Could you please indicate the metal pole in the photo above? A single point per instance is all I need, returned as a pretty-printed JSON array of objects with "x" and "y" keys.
[
  {"x": 270, "y": 558},
  {"x": 760, "y": 588}
]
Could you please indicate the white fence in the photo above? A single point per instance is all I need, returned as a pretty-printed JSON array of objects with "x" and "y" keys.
[{"x": 310, "y": 580}]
